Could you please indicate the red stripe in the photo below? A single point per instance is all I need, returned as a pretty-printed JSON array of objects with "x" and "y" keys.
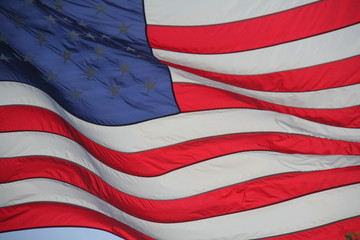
[
  {"x": 160, "y": 161},
  {"x": 59, "y": 215},
  {"x": 236, "y": 198},
  {"x": 191, "y": 97},
  {"x": 330, "y": 75},
  {"x": 298, "y": 23},
  {"x": 338, "y": 230}
]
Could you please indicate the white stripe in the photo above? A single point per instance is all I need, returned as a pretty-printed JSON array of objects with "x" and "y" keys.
[
  {"x": 178, "y": 128},
  {"x": 303, "y": 53},
  {"x": 341, "y": 97},
  {"x": 204, "y": 12},
  {"x": 294, "y": 215},
  {"x": 184, "y": 182}
]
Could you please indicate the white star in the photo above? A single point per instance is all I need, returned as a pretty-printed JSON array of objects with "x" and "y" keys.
[
  {"x": 28, "y": 58},
  {"x": 89, "y": 35},
  {"x": 67, "y": 20},
  {"x": 141, "y": 56},
  {"x": 31, "y": 2},
  {"x": 100, "y": 8},
  {"x": 82, "y": 23},
  {"x": 105, "y": 36},
  {"x": 130, "y": 49},
  {"x": 123, "y": 28},
  {"x": 4, "y": 58},
  {"x": 50, "y": 19},
  {"x": 59, "y": 5},
  {"x": 73, "y": 35}
]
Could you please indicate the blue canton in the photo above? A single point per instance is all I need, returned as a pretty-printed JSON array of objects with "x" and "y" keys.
[{"x": 92, "y": 57}]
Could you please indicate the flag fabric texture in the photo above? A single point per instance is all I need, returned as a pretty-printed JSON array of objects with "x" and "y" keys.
[{"x": 182, "y": 119}]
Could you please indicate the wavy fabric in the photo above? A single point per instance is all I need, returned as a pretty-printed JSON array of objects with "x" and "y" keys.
[{"x": 173, "y": 120}]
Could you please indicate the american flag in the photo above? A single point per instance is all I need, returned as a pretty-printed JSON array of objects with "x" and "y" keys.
[{"x": 182, "y": 119}]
